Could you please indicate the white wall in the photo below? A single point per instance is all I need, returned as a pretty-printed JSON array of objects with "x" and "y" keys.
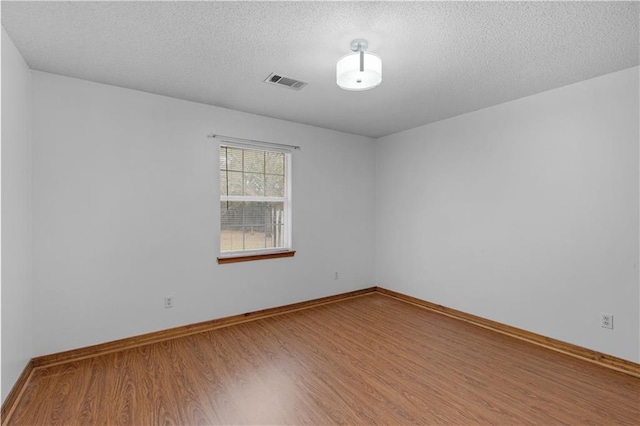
[
  {"x": 17, "y": 346},
  {"x": 126, "y": 212},
  {"x": 525, "y": 213}
]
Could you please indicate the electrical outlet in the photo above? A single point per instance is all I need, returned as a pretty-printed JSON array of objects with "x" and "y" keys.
[
  {"x": 336, "y": 276},
  {"x": 606, "y": 320},
  {"x": 168, "y": 302}
]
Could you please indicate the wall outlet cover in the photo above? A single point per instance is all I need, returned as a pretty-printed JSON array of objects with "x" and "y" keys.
[{"x": 606, "y": 320}]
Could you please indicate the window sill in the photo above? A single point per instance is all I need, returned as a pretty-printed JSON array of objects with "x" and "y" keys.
[{"x": 236, "y": 259}]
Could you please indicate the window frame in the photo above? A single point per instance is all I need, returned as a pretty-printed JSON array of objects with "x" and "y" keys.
[{"x": 263, "y": 253}]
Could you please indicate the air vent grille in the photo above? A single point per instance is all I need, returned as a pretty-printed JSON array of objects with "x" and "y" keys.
[{"x": 280, "y": 80}]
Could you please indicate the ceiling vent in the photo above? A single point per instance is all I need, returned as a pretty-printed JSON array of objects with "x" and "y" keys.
[{"x": 280, "y": 80}]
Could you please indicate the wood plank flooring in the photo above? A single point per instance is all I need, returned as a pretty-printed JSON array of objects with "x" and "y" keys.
[{"x": 371, "y": 359}]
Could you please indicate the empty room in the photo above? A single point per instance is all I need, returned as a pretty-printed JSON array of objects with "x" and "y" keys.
[{"x": 223, "y": 212}]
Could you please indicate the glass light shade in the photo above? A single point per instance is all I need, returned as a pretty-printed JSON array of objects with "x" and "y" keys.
[{"x": 349, "y": 76}]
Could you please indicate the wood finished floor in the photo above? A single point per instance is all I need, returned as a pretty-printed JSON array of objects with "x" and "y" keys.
[{"x": 367, "y": 360}]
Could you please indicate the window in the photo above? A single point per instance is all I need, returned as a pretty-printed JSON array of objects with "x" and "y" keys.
[{"x": 255, "y": 202}]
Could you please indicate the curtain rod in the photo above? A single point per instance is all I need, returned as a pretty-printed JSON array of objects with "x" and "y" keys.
[{"x": 231, "y": 139}]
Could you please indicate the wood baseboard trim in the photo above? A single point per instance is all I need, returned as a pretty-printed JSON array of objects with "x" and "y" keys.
[
  {"x": 608, "y": 361},
  {"x": 16, "y": 392},
  {"x": 186, "y": 330}
]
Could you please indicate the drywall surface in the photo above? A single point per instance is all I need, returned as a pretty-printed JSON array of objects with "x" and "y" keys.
[
  {"x": 126, "y": 211},
  {"x": 525, "y": 213},
  {"x": 17, "y": 346}
]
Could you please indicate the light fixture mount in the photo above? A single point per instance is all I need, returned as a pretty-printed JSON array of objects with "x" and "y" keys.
[
  {"x": 359, "y": 70},
  {"x": 359, "y": 45}
]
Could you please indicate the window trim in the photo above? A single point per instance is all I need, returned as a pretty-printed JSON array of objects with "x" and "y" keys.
[
  {"x": 266, "y": 253},
  {"x": 259, "y": 256}
]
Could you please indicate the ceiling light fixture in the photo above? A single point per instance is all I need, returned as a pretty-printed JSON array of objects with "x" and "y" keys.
[{"x": 359, "y": 70}]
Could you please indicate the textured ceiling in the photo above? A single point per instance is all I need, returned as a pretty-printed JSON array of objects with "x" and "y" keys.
[{"x": 440, "y": 59}]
